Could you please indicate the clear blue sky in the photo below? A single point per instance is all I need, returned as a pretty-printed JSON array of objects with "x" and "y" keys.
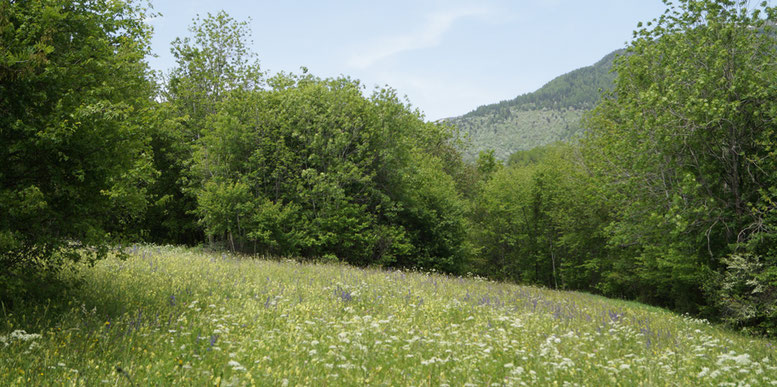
[{"x": 448, "y": 57}]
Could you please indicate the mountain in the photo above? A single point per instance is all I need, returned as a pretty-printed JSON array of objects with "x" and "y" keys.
[{"x": 547, "y": 115}]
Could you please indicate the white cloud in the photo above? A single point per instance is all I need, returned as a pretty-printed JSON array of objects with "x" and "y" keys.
[{"x": 430, "y": 35}]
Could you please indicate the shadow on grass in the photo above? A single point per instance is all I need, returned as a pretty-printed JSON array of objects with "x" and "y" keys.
[{"x": 43, "y": 300}]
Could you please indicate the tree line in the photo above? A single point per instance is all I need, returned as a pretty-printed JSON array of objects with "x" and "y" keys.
[
  {"x": 668, "y": 198},
  {"x": 99, "y": 152},
  {"x": 578, "y": 89}
]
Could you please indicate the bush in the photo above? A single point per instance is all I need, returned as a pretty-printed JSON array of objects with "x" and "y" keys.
[{"x": 745, "y": 293}]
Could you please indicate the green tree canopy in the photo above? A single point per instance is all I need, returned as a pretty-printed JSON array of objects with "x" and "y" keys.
[
  {"x": 540, "y": 220},
  {"x": 74, "y": 98},
  {"x": 685, "y": 142},
  {"x": 312, "y": 168},
  {"x": 210, "y": 63}
]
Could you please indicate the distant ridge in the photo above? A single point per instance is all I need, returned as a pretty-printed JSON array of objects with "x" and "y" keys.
[{"x": 550, "y": 114}]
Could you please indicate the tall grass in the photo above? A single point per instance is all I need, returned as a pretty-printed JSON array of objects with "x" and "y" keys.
[{"x": 175, "y": 316}]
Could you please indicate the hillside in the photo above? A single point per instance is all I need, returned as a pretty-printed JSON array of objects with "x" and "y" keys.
[
  {"x": 170, "y": 316},
  {"x": 547, "y": 115}
]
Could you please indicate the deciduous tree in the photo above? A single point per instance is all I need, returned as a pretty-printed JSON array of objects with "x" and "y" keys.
[
  {"x": 686, "y": 141},
  {"x": 74, "y": 100}
]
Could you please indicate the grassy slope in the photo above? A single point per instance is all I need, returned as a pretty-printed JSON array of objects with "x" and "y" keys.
[
  {"x": 172, "y": 316},
  {"x": 547, "y": 115}
]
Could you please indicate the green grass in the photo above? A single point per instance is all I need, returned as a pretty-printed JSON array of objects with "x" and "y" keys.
[{"x": 174, "y": 316}]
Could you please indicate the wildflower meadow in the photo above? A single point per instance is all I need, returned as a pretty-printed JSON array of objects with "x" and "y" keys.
[{"x": 174, "y": 316}]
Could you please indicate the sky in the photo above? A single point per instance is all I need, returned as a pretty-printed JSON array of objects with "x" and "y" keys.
[{"x": 447, "y": 57}]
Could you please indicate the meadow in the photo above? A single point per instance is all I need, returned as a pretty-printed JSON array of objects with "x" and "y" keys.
[{"x": 169, "y": 315}]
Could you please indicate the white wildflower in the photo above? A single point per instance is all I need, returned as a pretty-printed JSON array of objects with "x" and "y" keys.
[
  {"x": 236, "y": 366},
  {"x": 742, "y": 360},
  {"x": 23, "y": 335}
]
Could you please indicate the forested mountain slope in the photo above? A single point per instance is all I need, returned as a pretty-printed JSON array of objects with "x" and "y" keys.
[{"x": 547, "y": 115}]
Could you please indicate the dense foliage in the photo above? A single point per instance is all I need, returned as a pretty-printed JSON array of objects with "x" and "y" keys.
[
  {"x": 299, "y": 166},
  {"x": 212, "y": 63},
  {"x": 685, "y": 146},
  {"x": 668, "y": 198},
  {"x": 312, "y": 168},
  {"x": 74, "y": 103},
  {"x": 540, "y": 223}
]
